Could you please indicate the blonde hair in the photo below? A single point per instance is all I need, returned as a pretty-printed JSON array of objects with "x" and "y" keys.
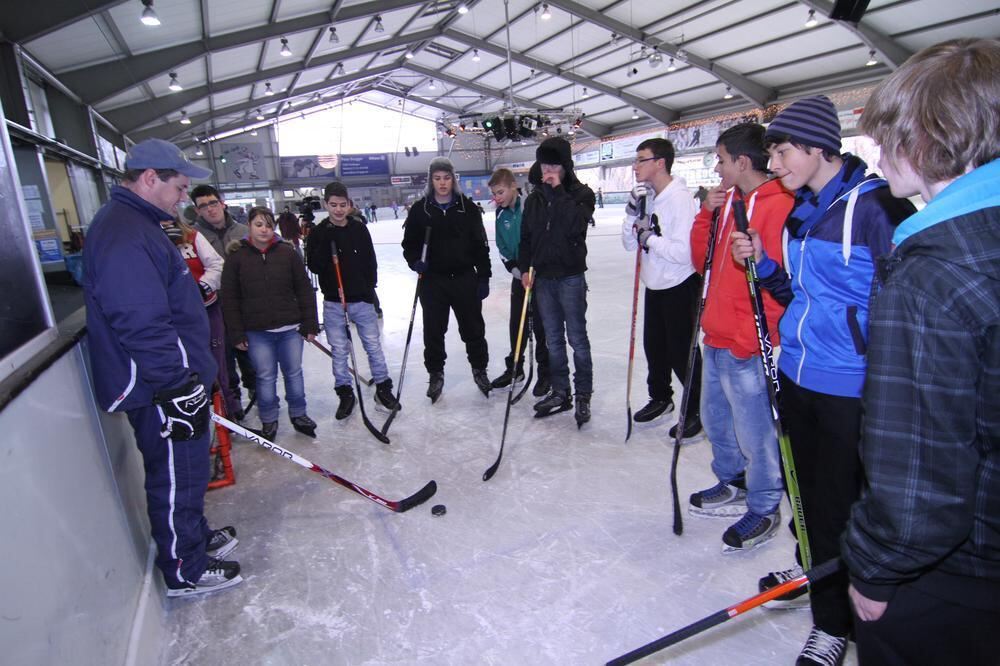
[
  {"x": 502, "y": 176},
  {"x": 940, "y": 111}
]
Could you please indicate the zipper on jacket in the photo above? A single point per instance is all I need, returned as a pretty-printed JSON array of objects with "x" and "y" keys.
[{"x": 802, "y": 269}]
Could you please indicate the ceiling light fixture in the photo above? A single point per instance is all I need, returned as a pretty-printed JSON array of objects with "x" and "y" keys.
[
  {"x": 199, "y": 152},
  {"x": 334, "y": 39},
  {"x": 175, "y": 85},
  {"x": 463, "y": 8},
  {"x": 184, "y": 118},
  {"x": 811, "y": 21},
  {"x": 614, "y": 39},
  {"x": 285, "y": 51},
  {"x": 546, "y": 14},
  {"x": 475, "y": 55},
  {"x": 260, "y": 116},
  {"x": 871, "y": 59},
  {"x": 729, "y": 93},
  {"x": 585, "y": 94},
  {"x": 408, "y": 55},
  {"x": 339, "y": 69},
  {"x": 635, "y": 114},
  {"x": 378, "y": 24},
  {"x": 671, "y": 67},
  {"x": 267, "y": 89},
  {"x": 431, "y": 86},
  {"x": 253, "y": 132},
  {"x": 655, "y": 59},
  {"x": 149, "y": 16}
]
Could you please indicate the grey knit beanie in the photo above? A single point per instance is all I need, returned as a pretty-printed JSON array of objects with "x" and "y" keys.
[
  {"x": 811, "y": 121},
  {"x": 441, "y": 164}
]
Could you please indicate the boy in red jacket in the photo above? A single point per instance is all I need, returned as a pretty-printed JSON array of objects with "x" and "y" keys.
[{"x": 735, "y": 409}]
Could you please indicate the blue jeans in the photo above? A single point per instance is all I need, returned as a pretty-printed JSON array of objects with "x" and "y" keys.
[
  {"x": 736, "y": 415},
  {"x": 267, "y": 350},
  {"x": 562, "y": 302},
  {"x": 363, "y": 315}
]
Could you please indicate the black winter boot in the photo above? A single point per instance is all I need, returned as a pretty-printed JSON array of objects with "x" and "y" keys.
[
  {"x": 482, "y": 380},
  {"x": 435, "y": 386},
  {"x": 582, "y": 409},
  {"x": 384, "y": 397},
  {"x": 346, "y": 406},
  {"x": 553, "y": 403},
  {"x": 305, "y": 425}
]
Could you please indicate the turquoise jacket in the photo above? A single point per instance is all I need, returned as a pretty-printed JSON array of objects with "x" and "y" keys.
[{"x": 509, "y": 232}]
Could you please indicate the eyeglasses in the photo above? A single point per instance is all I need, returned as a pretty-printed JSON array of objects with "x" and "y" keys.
[
  {"x": 639, "y": 160},
  {"x": 215, "y": 203}
]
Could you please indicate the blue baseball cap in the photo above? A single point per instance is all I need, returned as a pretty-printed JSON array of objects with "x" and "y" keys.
[{"x": 160, "y": 154}]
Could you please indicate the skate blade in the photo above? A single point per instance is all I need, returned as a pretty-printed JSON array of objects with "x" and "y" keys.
[
  {"x": 735, "y": 512},
  {"x": 729, "y": 550}
]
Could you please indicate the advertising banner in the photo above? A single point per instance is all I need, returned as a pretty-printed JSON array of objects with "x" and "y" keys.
[
  {"x": 375, "y": 164},
  {"x": 309, "y": 166}
]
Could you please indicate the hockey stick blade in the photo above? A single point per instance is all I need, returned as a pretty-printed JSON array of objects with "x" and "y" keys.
[
  {"x": 811, "y": 576},
  {"x": 398, "y": 506}
]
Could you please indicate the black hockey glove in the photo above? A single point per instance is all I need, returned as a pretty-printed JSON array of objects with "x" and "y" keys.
[{"x": 183, "y": 410}]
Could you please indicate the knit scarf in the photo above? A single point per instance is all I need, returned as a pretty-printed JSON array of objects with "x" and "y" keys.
[{"x": 810, "y": 207}]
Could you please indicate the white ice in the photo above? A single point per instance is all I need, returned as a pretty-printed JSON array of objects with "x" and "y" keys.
[{"x": 566, "y": 556}]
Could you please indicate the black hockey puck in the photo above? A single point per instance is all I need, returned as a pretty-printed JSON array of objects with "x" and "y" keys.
[{"x": 438, "y": 510}]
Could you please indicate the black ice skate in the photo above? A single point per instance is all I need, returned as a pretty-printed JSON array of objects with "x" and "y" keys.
[
  {"x": 582, "y": 414},
  {"x": 553, "y": 403},
  {"x": 435, "y": 386},
  {"x": 482, "y": 380},
  {"x": 305, "y": 425},
  {"x": 384, "y": 399},
  {"x": 346, "y": 406}
]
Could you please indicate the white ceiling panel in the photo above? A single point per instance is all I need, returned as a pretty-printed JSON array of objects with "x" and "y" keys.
[
  {"x": 289, "y": 9},
  {"x": 129, "y": 96},
  {"x": 80, "y": 44},
  {"x": 235, "y": 62},
  {"x": 225, "y": 16},
  {"x": 314, "y": 75},
  {"x": 488, "y": 17},
  {"x": 986, "y": 28},
  {"x": 783, "y": 75},
  {"x": 229, "y": 97}
]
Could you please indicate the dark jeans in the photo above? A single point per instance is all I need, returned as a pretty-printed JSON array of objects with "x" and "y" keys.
[
  {"x": 562, "y": 303},
  {"x": 217, "y": 332},
  {"x": 438, "y": 295},
  {"x": 918, "y": 629},
  {"x": 824, "y": 431},
  {"x": 666, "y": 339},
  {"x": 537, "y": 328}
]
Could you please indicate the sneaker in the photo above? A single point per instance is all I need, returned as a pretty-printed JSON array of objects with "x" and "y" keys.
[
  {"x": 822, "y": 649},
  {"x": 582, "y": 414},
  {"x": 217, "y": 576},
  {"x": 435, "y": 386},
  {"x": 751, "y": 531},
  {"x": 723, "y": 500},
  {"x": 542, "y": 386},
  {"x": 482, "y": 380},
  {"x": 503, "y": 381},
  {"x": 653, "y": 409},
  {"x": 305, "y": 425},
  {"x": 222, "y": 542},
  {"x": 384, "y": 397},
  {"x": 692, "y": 426},
  {"x": 346, "y": 405},
  {"x": 553, "y": 403},
  {"x": 794, "y": 600}
]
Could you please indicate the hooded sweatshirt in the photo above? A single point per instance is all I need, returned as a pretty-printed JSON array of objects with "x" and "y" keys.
[
  {"x": 930, "y": 445},
  {"x": 728, "y": 319}
]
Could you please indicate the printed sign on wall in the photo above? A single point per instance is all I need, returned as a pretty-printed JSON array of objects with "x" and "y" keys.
[{"x": 376, "y": 164}]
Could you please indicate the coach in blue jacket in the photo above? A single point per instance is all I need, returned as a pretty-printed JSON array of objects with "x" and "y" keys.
[{"x": 149, "y": 348}]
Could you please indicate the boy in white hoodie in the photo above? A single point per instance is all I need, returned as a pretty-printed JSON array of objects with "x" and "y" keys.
[{"x": 664, "y": 233}]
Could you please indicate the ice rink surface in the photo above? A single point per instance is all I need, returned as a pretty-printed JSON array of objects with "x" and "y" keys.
[{"x": 566, "y": 556}]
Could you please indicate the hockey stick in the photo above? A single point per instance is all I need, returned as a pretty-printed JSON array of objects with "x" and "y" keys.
[
  {"x": 398, "y": 506},
  {"x": 821, "y": 571},
  {"x": 320, "y": 346},
  {"x": 531, "y": 361},
  {"x": 692, "y": 356},
  {"x": 376, "y": 433},
  {"x": 773, "y": 388},
  {"x": 631, "y": 339},
  {"x": 488, "y": 474},
  {"x": 409, "y": 335}
]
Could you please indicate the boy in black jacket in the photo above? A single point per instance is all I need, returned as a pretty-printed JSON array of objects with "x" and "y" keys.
[
  {"x": 554, "y": 243},
  {"x": 456, "y": 275},
  {"x": 359, "y": 270}
]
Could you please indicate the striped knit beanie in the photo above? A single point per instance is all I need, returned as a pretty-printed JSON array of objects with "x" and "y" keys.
[{"x": 811, "y": 121}]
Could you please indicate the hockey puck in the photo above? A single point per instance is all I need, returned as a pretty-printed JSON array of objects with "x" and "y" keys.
[{"x": 438, "y": 510}]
